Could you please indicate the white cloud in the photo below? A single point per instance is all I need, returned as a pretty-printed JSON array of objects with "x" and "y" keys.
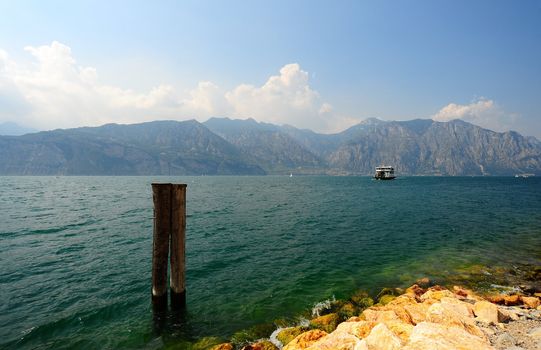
[
  {"x": 54, "y": 91},
  {"x": 483, "y": 112}
]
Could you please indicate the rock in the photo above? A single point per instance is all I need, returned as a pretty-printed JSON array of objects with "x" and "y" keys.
[
  {"x": 375, "y": 315},
  {"x": 339, "y": 341},
  {"x": 348, "y": 310},
  {"x": 288, "y": 334},
  {"x": 362, "y": 300},
  {"x": 360, "y": 329},
  {"x": 390, "y": 291},
  {"x": 486, "y": 312},
  {"x": 207, "y": 343},
  {"x": 305, "y": 340},
  {"x": 326, "y": 323},
  {"x": 431, "y": 336},
  {"x": 386, "y": 299},
  {"x": 401, "y": 329},
  {"x": 530, "y": 302},
  {"x": 417, "y": 312},
  {"x": 261, "y": 345},
  {"x": 507, "y": 314},
  {"x": 424, "y": 282},
  {"x": 511, "y": 300},
  {"x": 223, "y": 346},
  {"x": 415, "y": 291},
  {"x": 496, "y": 299},
  {"x": 465, "y": 309},
  {"x": 445, "y": 315},
  {"x": 381, "y": 338},
  {"x": 432, "y": 296},
  {"x": 505, "y": 340}
]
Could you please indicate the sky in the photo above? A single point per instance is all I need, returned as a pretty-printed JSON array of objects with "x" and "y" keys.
[{"x": 321, "y": 65}]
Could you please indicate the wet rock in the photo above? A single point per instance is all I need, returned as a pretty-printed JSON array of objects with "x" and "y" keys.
[
  {"x": 207, "y": 343},
  {"x": 530, "y": 302},
  {"x": 305, "y": 340},
  {"x": 381, "y": 338},
  {"x": 288, "y": 334},
  {"x": 326, "y": 323},
  {"x": 415, "y": 291},
  {"x": 362, "y": 300},
  {"x": 486, "y": 312},
  {"x": 424, "y": 282},
  {"x": 348, "y": 310},
  {"x": 261, "y": 345},
  {"x": 223, "y": 346},
  {"x": 431, "y": 336},
  {"x": 386, "y": 299}
]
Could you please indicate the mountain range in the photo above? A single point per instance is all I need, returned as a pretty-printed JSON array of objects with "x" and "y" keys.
[{"x": 222, "y": 146}]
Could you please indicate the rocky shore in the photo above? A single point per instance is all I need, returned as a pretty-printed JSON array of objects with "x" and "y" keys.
[{"x": 421, "y": 317}]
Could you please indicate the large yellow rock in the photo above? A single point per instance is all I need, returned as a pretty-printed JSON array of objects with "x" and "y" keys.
[
  {"x": 431, "y": 296},
  {"x": 381, "y": 338},
  {"x": 379, "y": 315},
  {"x": 530, "y": 302},
  {"x": 433, "y": 336},
  {"x": 417, "y": 312},
  {"x": 327, "y": 322},
  {"x": 465, "y": 309},
  {"x": 486, "y": 312},
  {"x": 401, "y": 329},
  {"x": 447, "y": 316},
  {"x": 305, "y": 340},
  {"x": 339, "y": 341},
  {"x": 360, "y": 329}
]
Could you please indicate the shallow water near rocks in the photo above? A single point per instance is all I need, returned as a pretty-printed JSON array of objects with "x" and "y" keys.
[{"x": 75, "y": 252}]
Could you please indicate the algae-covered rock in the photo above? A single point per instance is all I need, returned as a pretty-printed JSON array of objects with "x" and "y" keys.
[
  {"x": 288, "y": 334},
  {"x": 362, "y": 300},
  {"x": 253, "y": 333},
  {"x": 207, "y": 343},
  {"x": 348, "y": 310},
  {"x": 386, "y": 299},
  {"x": 326, "y": 323},
  {"x": 261, "y": 345},
  {"x": 390, "y": 291},
  {"x": 305, "y": 340},
  {"x": 223, "y": 346}
]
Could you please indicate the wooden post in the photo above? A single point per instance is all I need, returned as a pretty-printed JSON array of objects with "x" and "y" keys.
[
  {"x": 169, "y": 232},
  {"x": 178, "y": 246},
  {"x": 161, "y": 195}
]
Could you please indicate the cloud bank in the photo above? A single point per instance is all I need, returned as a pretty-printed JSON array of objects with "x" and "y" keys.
[
  {"x": 55, "y": 92},
  {"x": 483, "y": 112}
]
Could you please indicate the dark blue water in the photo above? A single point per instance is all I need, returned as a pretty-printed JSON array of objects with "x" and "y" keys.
[{"x": 75, "y": 252}]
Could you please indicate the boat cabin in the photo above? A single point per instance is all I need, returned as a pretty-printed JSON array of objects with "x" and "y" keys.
[{"x": 384, "y": 173}]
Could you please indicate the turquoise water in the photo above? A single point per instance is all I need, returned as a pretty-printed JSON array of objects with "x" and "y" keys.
[{"x": 75, "y": 252}]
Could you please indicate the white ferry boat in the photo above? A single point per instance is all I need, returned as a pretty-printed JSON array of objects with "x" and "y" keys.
[{"x": 384, "y": 173}]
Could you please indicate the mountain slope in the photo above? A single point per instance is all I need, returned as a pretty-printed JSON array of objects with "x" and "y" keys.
[
  {"x": 155, "y": 148},
  {"x": 267, "y": 146}
]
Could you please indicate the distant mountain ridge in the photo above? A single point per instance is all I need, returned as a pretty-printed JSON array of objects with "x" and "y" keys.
[{"x": 223, "y": 146}]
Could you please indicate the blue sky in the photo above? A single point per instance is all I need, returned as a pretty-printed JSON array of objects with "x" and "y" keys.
[{"x": 314, "y": 64}]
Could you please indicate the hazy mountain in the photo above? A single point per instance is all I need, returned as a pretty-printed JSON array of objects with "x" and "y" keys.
[
  {"x": 157, "y": 148},
  {"x": 14, "y": 129},
  {"x": 224, "y": 146},
  {"x": 267, "y": 146}
]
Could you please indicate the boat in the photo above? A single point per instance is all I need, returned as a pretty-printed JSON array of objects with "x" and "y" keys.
[
  {"x": 384, "y": 172},
  {"x": 524, "y": 175}
]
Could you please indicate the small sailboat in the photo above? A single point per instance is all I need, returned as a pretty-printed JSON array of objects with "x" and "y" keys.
[{"x": 290, "y": 174}]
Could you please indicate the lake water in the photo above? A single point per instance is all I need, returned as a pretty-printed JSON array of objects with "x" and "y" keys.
[{"x": 75, "y": 252}]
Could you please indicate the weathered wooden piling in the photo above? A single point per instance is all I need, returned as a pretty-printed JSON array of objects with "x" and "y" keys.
[
  {"x": 178, "y": 245},
  {"x": 169, "y": 233}
]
